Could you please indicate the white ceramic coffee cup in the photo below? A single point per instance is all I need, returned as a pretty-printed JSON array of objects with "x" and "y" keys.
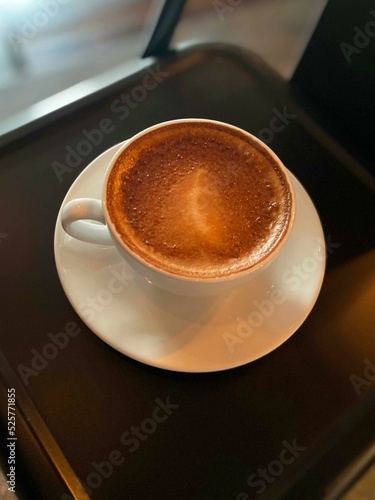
[{"x": 80, "y": 219}]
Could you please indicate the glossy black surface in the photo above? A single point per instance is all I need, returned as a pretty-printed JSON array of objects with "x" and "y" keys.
[{"x": 229, "y": 424}]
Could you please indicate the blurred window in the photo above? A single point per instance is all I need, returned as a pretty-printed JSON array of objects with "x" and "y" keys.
[
  {"x": 47, "y": 46},
  {"x": 276, "y": 30}
]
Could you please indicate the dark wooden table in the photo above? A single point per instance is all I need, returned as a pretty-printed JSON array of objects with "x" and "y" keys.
[{"x": 227, "y": 432}]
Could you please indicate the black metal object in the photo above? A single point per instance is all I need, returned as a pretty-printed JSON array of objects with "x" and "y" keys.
[{"x": 165, "y": 25}]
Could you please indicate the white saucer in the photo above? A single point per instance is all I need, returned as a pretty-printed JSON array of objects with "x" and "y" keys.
[{"x": 183, "y": 333}]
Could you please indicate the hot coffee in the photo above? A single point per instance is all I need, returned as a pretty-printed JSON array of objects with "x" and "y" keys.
[{"x": 199, "y": 199}]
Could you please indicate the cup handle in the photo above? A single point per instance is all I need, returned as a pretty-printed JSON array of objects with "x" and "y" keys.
[{"x": 76, "y": 217}]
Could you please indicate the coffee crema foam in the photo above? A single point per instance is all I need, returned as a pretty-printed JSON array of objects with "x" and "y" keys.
[{"x": 198, "y": 200}]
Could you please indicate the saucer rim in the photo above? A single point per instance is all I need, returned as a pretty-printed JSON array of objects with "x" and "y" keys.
[{"x": 161, "y": 365}]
